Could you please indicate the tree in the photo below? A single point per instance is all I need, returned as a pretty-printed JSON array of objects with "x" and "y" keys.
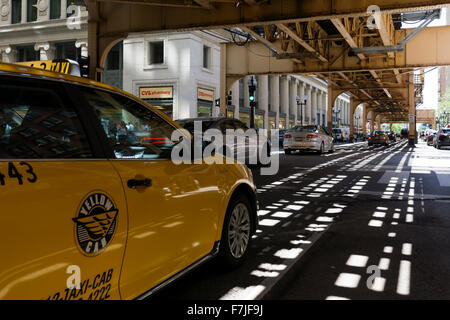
[{"x": 443, "y": 112}]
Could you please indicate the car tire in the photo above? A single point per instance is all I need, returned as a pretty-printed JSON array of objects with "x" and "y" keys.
[
  {"x": 287, "y": 151},
  {"x": 320, "y": 151},
  {"x": 331, "y": 149},
  {"x": 237, "y": 232},
  {"x": 370, "y": 144},
  {"x": 438, "y": 146}
]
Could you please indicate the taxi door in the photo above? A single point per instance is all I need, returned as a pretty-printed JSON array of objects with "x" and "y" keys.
[
  {"x": 173, "y": 209},
  {"x": 63, "y": 215}
]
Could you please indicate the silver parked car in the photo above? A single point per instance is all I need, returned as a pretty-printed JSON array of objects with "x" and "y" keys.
[{"x": 312, "y": 137}]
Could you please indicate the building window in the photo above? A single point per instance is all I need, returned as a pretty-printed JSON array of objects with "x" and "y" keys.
[
  {"x": 206, "y": 57},
  {"x": 67, "y": 50},
  {"x": 156, "y": 52},
  {"x": 27, "y": 53},
  {"x": 16, "y": 11},
  {"x": 31, "y": 10},
  {"x": 55, "y": 9}
]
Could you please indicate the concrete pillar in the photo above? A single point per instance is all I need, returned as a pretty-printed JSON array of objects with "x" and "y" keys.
[
  {"x": 320, "y": 107},
  {"x": 263, "y": 97},
  {"x": 46, "y": 51},
  {"x": 275, "y": 97},
  {"x": 331, "y": 98},
  {"x": 235, "y": 98},
  {"x": 8, "y": 54},
  {"x": 293, "y": 99},
  {"x": 308, "y": 104},
  {"x": 352, "y": 108},
  {"x": 24, "y": 12},
  {"x": 301, "y": 109},
  {"x": 412, "y": 136},
  {"x": 284, "y": 95},
  {"x": 314, "y": 106},
  {"x": 63, "y": 9}
]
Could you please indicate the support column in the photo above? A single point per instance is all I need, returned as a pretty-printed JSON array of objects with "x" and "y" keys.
[
  {"x": 314, "y": 106},
  {"x": 235, "y": 98},
  {"x": 275, "y": 98},
  {"x": 321, "y": 107},
  {"x": 263, "y": 97},
  {"x": 308, "y": 104},
  {"x": 411, "y": 112},
  {"x": 364, "y": 121},
  {"x": 63, "y": 9},
  {"x": 23, "y": 17},
  {"x": 302, "y": 101},
  {"x": 293, "y": 99},
  {"x": 285, "y": 98},
  {"x": 352, "y": 108},
  {"x": 332, "y": 96},
  {"x": 8, "y": 54},
  {"x": 46, "y": 51}
]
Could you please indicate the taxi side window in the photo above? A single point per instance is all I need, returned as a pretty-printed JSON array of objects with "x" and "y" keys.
[
  {"x": 37, "y": 123},
  {"x": 133, "y": 130}
]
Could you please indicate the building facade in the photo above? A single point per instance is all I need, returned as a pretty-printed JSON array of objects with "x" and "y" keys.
[
  {"x": 177, "y": 72},
  {"x": 42, "y": 30}
]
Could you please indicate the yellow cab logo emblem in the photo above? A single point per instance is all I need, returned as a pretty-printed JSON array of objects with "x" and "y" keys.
[{"x": 95, "y": 223}]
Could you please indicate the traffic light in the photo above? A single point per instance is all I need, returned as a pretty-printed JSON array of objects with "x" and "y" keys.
[
  {"x": 251, "y": 93},
  {"x": 229, "y": 101},
  {"x": 217, "y": 102},
  {"x": 84, "y": 66}
]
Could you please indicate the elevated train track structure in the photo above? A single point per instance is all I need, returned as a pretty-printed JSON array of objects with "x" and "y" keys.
[{"x": 356, "y": 46}]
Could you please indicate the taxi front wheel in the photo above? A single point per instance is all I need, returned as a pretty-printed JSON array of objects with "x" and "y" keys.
[{"x": 236, "y": 233}]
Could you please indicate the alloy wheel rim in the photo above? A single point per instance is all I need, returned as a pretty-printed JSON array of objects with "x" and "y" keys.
[{"x": 239, "y": 230}]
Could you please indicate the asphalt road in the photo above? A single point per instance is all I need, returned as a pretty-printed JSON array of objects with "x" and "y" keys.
[{"x": 360, "y": 223}]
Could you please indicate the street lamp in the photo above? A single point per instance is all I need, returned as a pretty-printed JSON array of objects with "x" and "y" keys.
[
  {"x": 338, "y": 110},
  {"x": 301, "y": 104}
]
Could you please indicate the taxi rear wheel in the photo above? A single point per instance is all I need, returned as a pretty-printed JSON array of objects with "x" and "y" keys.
[{"x": 236, "y": 233}]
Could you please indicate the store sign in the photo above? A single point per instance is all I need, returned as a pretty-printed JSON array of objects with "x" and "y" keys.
[
  {"x": 203, "y": 94},
  {"x": 156, "y": 93}
]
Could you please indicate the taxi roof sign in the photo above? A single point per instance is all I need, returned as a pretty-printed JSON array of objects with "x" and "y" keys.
[{"x": 64, "y": 66}]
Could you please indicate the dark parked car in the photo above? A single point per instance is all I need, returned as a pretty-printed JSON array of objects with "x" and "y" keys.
[
  {"x": 442, "y": 138},
  {"x": 404, "y": 134},
  {"x": 378, "y": 137},
  {"x": 246, "y": 151},
  {"x": 392, "y": 136}
]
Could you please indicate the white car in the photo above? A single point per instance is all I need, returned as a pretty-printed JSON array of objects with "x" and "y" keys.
[{"x": 312, "y": 138}]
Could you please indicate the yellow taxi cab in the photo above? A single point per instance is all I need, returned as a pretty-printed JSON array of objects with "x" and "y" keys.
[{"x": 91, "y": 205}]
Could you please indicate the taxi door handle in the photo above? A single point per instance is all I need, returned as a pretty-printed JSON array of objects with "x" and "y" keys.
[{"x": 133, "y": 183}]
